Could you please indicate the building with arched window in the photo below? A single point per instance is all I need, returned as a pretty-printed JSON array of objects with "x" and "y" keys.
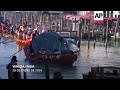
[{"x": 116, "y": 14}]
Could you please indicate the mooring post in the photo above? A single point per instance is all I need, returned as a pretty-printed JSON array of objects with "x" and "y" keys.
[
  {"x": 106, "y": 43},
  {"x": 25, "y": 74},
  {"x": 94, "y": 43},
  {"x": 80, "y": 28},
  {"x": 47, "y": 67}
]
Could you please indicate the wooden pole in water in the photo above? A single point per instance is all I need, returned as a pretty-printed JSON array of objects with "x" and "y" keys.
[
  {"x": 116, "y": 30},
  {"x": 85, "y": 26},
  {"x": 88, "y": 36},
  {"x": 93, "y": 35},
  {"x": 80, "y": 28},
  {"x": 119, "y": 26},
  {"x": 47, "y": 68},
  {"x": 25, "y": 74},
  {"x": 103, "y": 35},
  {"x": 89, "y": 33},
  {"x": 99, "y": 31},
  {"x": 106, "y": 35},
  {"x": 93, "y": 32}
]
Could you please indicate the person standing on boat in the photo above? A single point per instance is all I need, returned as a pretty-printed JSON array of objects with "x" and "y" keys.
[
  {"x": 31, "y": 34},
  {"x": 12, "y": 72},
  {"x": 12, "y": 31},
  {"x": 31, "y": 49}
]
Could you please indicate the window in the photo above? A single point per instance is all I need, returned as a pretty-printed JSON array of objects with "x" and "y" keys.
[
  {"x": 115, "y": 16},
  {"x": 118, "y": 16}
]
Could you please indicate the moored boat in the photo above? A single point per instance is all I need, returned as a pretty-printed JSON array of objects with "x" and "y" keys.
[
  {"x": 108, "y": 72},
  {"x": 57, "y": 51},
  {"x": 66, "y": 59}
]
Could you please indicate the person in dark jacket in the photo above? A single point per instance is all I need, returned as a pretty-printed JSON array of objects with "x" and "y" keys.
[{"x": 11, "y": 73}]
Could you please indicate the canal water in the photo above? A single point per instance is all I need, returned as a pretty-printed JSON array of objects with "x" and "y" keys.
[{"x": 98, "y": 56}]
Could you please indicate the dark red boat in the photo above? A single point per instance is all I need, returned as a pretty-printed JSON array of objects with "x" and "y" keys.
[
  {"x": 65, "y": 56},
  {"x": 66, "y": 59}
]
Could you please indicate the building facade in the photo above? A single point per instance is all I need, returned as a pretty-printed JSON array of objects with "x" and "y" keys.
[
  {"x": 110, "y": 14},
  {"x": 82, "y": 13},
  {"x": 116, "y": 14}
]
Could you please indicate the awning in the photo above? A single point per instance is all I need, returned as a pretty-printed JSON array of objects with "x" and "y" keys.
[
  {"x": 110, "y": 18},
  {"x": 89, "y": 15}
]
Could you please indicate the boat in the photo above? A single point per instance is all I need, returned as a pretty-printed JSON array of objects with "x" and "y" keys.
[
  {"x": 24, "y": 42},
  {"x": 108, "y": 72},
  {"x": 24, "y": 37},
  {"x": 47, "y": 45}
]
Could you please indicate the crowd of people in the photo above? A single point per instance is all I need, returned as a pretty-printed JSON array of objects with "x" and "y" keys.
[{"x": 22, "y": 31}]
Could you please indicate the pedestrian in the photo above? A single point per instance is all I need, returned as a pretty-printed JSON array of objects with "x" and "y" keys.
[
  {"x": 57, "y": 75},
  {"x": 12, "y": 72}
]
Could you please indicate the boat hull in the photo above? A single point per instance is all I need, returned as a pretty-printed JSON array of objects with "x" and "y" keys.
[
  {"x": 24, "y": 42},
  {"x": 66, "y": 59}
]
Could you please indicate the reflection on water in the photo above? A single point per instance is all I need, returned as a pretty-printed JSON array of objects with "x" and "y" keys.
[{"x": 86, "y": 58}]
